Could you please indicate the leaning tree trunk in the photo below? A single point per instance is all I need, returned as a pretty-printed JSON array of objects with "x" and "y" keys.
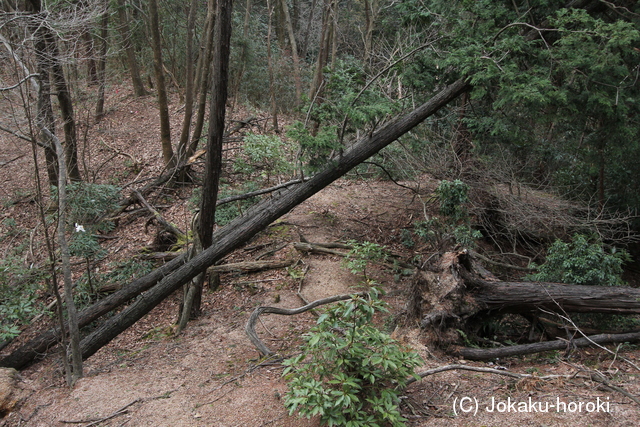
[
  {"x": 260, "y": 216},
  {"x": 176, "y": 273}
]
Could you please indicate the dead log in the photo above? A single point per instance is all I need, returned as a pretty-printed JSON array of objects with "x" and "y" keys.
[
  {"x": 251, "y": 266},
  {"x": 452, "y": 295},
  {"x": 523, "y": 349},
  {"x": 239, "y": 231}
]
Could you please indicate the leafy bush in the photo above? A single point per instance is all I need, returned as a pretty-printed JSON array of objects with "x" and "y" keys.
[
  {"x": 88, "y": 203},
  {"x": 315, "y": 148},
  {"x": 453, "y": 195},
  {"x": 362, "y": 253},
  {"x": 265, "y": 153},
  {"x": 582, "y": 263},
  {"x": 349, "y": 372},
  {"x": 18, "y": 290}
]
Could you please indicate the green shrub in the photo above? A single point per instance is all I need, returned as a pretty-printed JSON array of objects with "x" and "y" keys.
[
  {"x": 582, "y": 263},
  {"x": 264, "y": 153},
  {"x": 453, "y": 195},
  {"x": 362, "y": 254},
  {"x": 19, "y": 284},
  {"x": 349, "y": 372}
]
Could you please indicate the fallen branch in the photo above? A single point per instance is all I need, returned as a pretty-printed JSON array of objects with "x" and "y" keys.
[
  {"x": 259, "y": 192},
  {"x": 250, "y": 327},
  {"x": 520, "y": 350},
  {"x": 326, "y": 248},
  {"x": 251, "y": 266},
  {"x": 166, "y": 224}
]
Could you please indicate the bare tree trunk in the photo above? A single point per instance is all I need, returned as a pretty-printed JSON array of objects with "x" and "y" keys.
[
  {"x": 294, "y": 50},
  {"x": 132, "y": 62},
  {"x": 66, "y": 109},
  {"x": 213, "y": 165},
  {"x": 237, "y": 78},
  {"x": 451, "y": 295},
  {"x": 163, "y": 103},
  {"x": 183, "y": 144},
  {"x": 272, "y": 90},
  {"x": 92, "y": 71},
  {"x": 44, "y": 117},
  {"x": 72, "y": 313},
  {"x": 323, "y": 50},
  {"x": 202, "y": 76},
  {"x": 305, "y": 40},
  {"x": 102, "y": 63},
  {"x": 371, "y": 10}
]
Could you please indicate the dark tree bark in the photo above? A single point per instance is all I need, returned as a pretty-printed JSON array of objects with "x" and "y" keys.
[
  {"x": 451, "y": 295},
  {"x": 213, "y": 163},
  {"x": 132, "y": 62},
  {"x": 202, "y": 76},
  {"x": 520, "y": 350},
  {"x": 102, "y": 63},
  {"x": 66, "y": 110},
  {"x": 183, "y": 144},
  {"x": 294, "y": 49},
  {"x": 161, "y": 89},
  {"x": 326, "y": 41}
]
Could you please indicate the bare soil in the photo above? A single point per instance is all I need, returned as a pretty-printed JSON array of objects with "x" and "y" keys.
[{"x": 210, "y": 375}]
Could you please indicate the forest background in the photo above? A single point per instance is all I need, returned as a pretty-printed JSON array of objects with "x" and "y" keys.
[{"x": 542, "y": 106}]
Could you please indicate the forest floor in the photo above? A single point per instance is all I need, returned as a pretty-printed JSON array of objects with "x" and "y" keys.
[{"x": 210, "y": 374}]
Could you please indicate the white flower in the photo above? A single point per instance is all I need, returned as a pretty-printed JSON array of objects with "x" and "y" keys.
[{"x": 79, "y": 228}]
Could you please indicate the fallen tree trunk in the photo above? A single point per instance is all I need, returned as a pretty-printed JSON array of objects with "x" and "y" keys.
[
  {"x": 452, "y": 295},
  {"x": 37, "y": 347},
  {"x": 520, "y": 350},
  {"x": 241, "y": 230}
]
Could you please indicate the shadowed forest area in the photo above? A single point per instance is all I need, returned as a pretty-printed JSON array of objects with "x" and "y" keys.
[{"x": 352, "y": 213}]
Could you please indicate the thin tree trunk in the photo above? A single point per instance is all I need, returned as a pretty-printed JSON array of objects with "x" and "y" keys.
[
  {"x": 213, "y": 164},
  {"x": 102, "y": 63},
  {"x": 371, "y": 10},
  {"x": 132, "y": 62},
  {"x": 305, "y": 40},
  {"x": 92, "y": 71},
  {"x": 272, "y": 91},
  {"x": 323, "y": 50},
  {"x": 161, "y": 89},
  {"x": 244, "y": 50},
  {"x": 66, "y": 110},
  {"x": 44, "y": 116},
  {"x": 72, "y": 313},
  {"x": 183, "y": 144},
  {"x": 202, "y": 76},
  {"x": 294, "y": 50}
]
